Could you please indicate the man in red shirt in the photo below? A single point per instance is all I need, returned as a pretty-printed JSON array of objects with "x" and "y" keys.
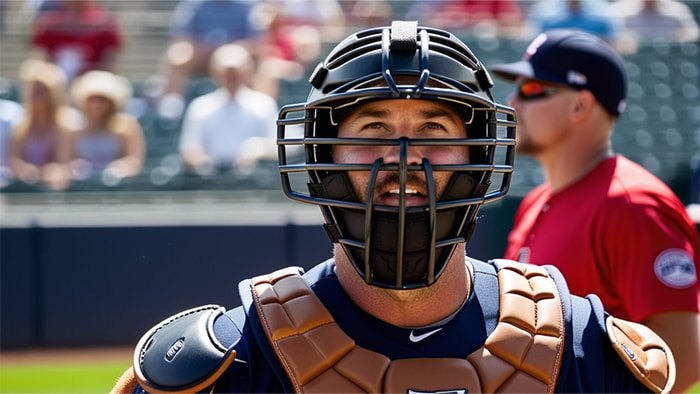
[
  {"x": 79, "y": 36},
  {"x": 609, "y": 225}
]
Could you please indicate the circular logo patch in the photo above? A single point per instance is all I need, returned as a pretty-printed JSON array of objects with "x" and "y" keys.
[{"x": 675, "y": 268}]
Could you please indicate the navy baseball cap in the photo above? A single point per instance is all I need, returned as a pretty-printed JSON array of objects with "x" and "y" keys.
[{"x": 577, "y": 59}]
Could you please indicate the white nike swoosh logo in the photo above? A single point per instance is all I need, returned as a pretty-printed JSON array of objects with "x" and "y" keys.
[{"x": 417, "y": 338}]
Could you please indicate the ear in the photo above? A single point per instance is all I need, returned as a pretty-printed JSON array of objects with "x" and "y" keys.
[{"x": 583, "y": 105}]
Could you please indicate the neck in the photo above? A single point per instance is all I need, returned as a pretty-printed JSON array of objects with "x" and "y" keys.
[
  {"x": 408, "y": 308},
  {"x": 574, "y": 157},
  {"x": 96, "y": 125},
  {"x": 41, "y": 123},
  {"x": 568, "y": 170}
]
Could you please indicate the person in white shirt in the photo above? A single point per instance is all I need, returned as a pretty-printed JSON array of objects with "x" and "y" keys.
[
  {"x": 648, "y": 20},
  {"x": 233, "y": 126}
]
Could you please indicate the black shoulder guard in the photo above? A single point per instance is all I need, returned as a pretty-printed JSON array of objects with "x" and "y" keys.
[{"x": 181, "y": 353}]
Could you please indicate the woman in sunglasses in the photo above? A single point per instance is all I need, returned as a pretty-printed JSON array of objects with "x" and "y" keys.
[{"x": 611, "y": 227}]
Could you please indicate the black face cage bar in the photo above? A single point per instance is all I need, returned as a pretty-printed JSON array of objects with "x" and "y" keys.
[
  {"x": 498, "y": 140},
  {"x": 296, "y": 155}
]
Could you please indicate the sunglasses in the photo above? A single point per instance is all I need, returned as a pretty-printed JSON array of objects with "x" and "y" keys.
[{"x": 529, "y": 91}]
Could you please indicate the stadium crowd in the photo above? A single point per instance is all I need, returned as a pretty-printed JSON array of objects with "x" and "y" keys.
[{"x": 141, "y": 141}]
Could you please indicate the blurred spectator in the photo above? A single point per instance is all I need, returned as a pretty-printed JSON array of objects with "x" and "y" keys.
[
  {"x": 79, "y": 36},
  {"x": 325, "y": 15},
  {"x": 38, "y": 147},
  {"x": 3, "y": 12},
  {"x": 233, "y": 126},
  {"x": 362, "y": 14},
  {"x": 594, "y": 16},
  {"x": 502, "y": 16},
  {"x": 11, "y": 112},
  {"x": 292, "y": 39},
  {"x": 199, "y": 27},
  {"x": 32, "y": 9},
  {"x": 647, "y": 20},
  {"x": 111, "y": 143}
]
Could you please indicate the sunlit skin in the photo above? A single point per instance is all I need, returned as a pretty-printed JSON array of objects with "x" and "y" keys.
[
  {"x": 232, "y": 79},
  {"x": 568, "y": 133},
  {"x": 98, "y": 109},
  {"x": 536, "y": 133},
  {"x": 40, "y": 99},
  {"x": 392, "y": 119}
]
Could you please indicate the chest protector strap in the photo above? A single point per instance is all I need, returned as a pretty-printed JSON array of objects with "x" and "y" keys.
[{"x": 521, "y": 355}]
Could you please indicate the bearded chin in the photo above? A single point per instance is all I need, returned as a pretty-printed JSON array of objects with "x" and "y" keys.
[
  {"x": 394, "y": 247},
  {"x": 526, "y": 146},
  {"x": 381, "y": 256}
]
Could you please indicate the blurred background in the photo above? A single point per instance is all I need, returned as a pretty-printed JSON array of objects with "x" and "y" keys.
[{"x": 99, "y": 243}]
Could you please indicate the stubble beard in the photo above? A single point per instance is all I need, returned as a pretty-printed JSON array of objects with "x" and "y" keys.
[
  {"x": 360, "y": 184},
  {"x": 525, "y": 146}
]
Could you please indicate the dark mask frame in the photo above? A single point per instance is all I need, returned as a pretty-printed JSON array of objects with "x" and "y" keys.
[{"x": 398, "y": 247}]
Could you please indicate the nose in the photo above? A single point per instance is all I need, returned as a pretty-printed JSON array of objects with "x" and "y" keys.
[{"x": 414, "y": 154}]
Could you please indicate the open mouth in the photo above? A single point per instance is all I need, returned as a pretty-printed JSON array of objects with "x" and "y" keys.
[{"x": 414, "y": 197}]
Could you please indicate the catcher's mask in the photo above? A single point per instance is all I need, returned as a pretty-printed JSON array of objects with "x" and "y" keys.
[{"x": 398, "y": 247}]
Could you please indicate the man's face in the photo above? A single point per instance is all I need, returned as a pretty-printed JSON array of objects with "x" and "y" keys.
[
  {"x": 232, "y": 79},
  {"x": 542, "y": 113},
  {"x": 392, "y": 119}
]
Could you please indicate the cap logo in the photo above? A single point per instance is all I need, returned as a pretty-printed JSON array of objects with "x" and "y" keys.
[
  {"x": 535, "y": 44},
  {"x": 576, "y": 78},
  {"x": 621, "y": 106}
]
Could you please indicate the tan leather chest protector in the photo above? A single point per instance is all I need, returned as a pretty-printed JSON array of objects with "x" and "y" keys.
[{"x": 521, "y": 355}]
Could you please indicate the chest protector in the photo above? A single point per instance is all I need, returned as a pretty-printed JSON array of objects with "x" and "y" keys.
[{"x": 522, "y": 354}]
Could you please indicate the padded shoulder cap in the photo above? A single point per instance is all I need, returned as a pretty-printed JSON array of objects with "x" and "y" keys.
[
  {"x": 181, "y": 353},
  {"x": 644, "y": 352}
]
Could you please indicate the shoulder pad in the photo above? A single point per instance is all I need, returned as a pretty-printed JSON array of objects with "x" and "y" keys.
[
  {"x": 181, "y": 353},
  {"x": 644, "y": 353}
]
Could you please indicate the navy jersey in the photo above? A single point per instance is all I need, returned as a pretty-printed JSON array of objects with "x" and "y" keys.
[{"x": 590, "y": 364}]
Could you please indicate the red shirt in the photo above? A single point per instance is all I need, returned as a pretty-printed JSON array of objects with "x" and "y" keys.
[
  {"x": 80, "y": 41},
  {"x": 469, "y": 13},
  {"x": 620, "y": 233}
]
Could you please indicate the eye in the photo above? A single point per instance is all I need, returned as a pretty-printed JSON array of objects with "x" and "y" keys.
[
  {"x": 439, "y": 129},
  {"x": 376, "y": 125},
  {"x": 434, "y": 126},
  {"x": 374, "y": 129}
]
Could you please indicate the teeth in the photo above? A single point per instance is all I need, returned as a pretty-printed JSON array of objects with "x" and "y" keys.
[{"x": 408, "y": 191}]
